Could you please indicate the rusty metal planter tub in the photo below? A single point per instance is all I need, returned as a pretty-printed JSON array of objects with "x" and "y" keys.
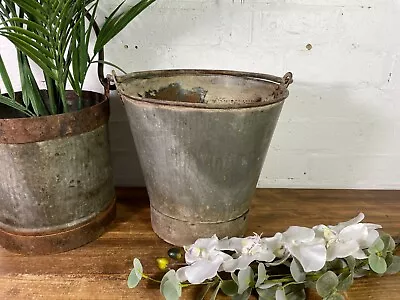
[
  {"x": 56, "y": 187},
  {"x": 201, "y": 137}
]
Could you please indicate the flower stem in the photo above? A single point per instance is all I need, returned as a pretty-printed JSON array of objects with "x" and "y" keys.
[{"x": 149, "y": 278}]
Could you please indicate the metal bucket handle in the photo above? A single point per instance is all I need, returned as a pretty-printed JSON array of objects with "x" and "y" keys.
[{"x": 105, "y": 82}]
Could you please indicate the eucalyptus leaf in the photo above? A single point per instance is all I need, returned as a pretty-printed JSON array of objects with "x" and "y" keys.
[
  {"x": 297, "y": 295},
  {"x": 327, "y": 283},
  {"x": 389, "y": 259},
  {"x": 389, "y": 243},
  {"x": 351, "y": 262},
  {"x": 295, "y": 291},
  {"x": 280, "y": 294},
  {"x": 394, "y": 267},
  {"x": 137, "y": 266},
  {"x": 377, "y": 246},
  {"x": 245, "y": 279},
  {"x": 335, "y": 296},
  {"x": 229, "y": 287},
  {"x": 297, "y": 271},
  {"x": 169, "y": 290},
  {"x": 377, "y": 263},
  {"x": 336, "y": 264},
  {"x": 267, "y": 294},
  {"x": 244, "y": 296},
  {"x": 170, "y": 276},
  {"x": 133, "y": 279},
  {"x": 345, "y": 281},
  {"x": 235, "y": 278}
]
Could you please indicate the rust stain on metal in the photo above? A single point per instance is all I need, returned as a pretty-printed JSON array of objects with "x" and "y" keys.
[
  {"x": 17, "y": 130},
  {"x": 54, "y": 242},
  {"x": 204, "y": 157},
  {"x": 174, "y": 92}
]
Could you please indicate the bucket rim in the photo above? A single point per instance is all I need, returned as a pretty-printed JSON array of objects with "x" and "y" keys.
[
  {"x": 24, "y": 130},
  {"x": 280, "y": 94}
]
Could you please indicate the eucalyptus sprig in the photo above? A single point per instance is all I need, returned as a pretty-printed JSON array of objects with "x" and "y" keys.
[{"x": 325, "y": 258}]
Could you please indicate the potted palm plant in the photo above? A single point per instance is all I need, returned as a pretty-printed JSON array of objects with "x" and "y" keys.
[{"x": 56, "y": 188}]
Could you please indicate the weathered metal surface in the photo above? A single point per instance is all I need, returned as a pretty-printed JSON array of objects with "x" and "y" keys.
[
  {"x": 59, "y": 241},
  {"x": 15, "y": 129},
  {"x": 57, "y": 194},
  {"x": 201, "y": 160}
]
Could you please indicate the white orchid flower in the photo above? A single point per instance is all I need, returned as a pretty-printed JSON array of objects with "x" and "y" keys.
[
  {"x": 278, "y": 248},
  {"x": 348, "y": 238},
  {"x": 204, "y": 260},
  {"x": 253, "y": 248},
  {"x": 308, "y": 249}
]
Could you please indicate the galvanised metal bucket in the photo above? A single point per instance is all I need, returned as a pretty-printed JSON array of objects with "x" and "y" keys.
[
  {"x": 56, "y": 186},
  {"x": 202, "y": 137}
]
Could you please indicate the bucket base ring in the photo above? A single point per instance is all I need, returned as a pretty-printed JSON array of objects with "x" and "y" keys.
[
  {"x": 183, "y": 233},
  {"x": 62, "y": 241}
]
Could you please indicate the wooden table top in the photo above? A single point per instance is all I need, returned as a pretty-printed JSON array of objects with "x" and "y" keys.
[{"x": 99, "y": 270}]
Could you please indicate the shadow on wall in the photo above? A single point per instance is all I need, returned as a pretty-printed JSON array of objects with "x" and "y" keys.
[
  {"x": 126, "y": 166},
  {"x": 328, "y": 137}
]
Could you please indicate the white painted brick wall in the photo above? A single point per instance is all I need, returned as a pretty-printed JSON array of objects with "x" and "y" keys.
[{"x": 340, "y": 127}]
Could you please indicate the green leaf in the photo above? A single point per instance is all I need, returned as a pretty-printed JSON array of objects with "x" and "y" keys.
[
  {"x": 235, "y": 278},
  {"x": 170, "y": 277},
  {"x": 336, "y": 264},
  {"x": 295, "y": 292},
  {"x": 169, "y": 290},
  {"x": 10, "y": 102},
  {"x": 296, "y": 295},
  {"x": 394, "y": 267},
  {"x": 44, "y": 63},
  {"x": 345, "y": 281},
  {"x": 351, "y": 262},
  {"x": 280, "y": 294},
  {"x": 23, "y": 33},
  {"x": 229, "y": 287},
  {"x": 31, "y": 24},
  {"x": 261, "y": 274},
  {"x": 377, "y": 246},
  {"x": 335, "y": 296},
  {"x": 389, "y": 244},
  {"x": 327, "y": 283},
  {"x": 6, "y": 79},
  {"x": 268, "y": 294},
  {"x": 136, "y": 274},
  {"x": 377, "y": 263},
  {"x": 116, "y": 23},
  {"x": 31, "y": 88},
  {"x": 137, "y": 266},
  {"x": 215, "y": 292},
  {"x": 246, "y": 279},
  {"x": 110, "y": 64},
  {"x": 297, "y": 271},
  {"x": 244, "y": 296},
  {"x": 32, "y": 7}
]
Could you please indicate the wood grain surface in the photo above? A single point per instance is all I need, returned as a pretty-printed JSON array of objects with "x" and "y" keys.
[{"x": 99, "y": 270}]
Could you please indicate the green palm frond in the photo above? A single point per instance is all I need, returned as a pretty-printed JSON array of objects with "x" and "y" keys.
[{"x": 55, "y": 35}]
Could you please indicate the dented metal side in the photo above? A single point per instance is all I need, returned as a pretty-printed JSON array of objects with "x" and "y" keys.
[
  {"x": 57, "y": 194},
  {"x": 201, "y": 160}
]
